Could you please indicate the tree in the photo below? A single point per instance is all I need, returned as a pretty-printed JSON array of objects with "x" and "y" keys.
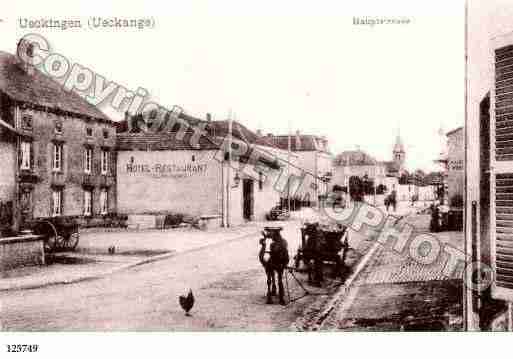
[{"x": 404, "y": 178}]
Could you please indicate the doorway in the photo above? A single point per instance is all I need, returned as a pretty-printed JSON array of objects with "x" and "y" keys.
[
  {"x": 247, "y": 198},
  {"x": 25, "y": 205}
]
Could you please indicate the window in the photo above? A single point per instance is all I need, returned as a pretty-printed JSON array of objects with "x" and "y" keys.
[
  {"x": 57, "y": 157},
  {"x": 104, "y": 207},
  {"x": 58, "y": 127},
  {"x": 88, "y": 159},
  {"x": 105, "y": 162},
  {"x": 57, "y": 202},
  {"x": 105, "y": 134},
  {"x": 26, "y": 122},
  {"x": 88, "y": 202},
  {"x": 25, "y": 155},
  {"x": 89, "y": 132}
]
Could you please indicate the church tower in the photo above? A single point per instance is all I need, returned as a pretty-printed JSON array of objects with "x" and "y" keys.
[{"x": 399, "y": 155}]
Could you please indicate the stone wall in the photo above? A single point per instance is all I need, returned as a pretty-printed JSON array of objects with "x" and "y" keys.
[{"x": 21, "y": 251}]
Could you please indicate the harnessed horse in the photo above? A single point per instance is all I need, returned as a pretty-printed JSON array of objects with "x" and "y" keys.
[{"x": 274, "y": 261}]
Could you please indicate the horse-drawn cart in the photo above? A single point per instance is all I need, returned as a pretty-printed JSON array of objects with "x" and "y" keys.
[
  {"x": 61, "y": 234},
  {"x": 320, "y": 246}
]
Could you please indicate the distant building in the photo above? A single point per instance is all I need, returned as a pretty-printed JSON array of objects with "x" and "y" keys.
[
  {"x": 57, "y": 150},
  {"x": 314, "y": 157},
  {"x": 455, "y": 178},
  {"x": 357, "y": 163},
  {"x": 396, "y": 167}
]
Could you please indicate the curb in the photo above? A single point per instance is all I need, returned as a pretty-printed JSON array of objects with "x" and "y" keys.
[
  {"x": 120, "y": 268},
  {"x": 340, "y": 295}
]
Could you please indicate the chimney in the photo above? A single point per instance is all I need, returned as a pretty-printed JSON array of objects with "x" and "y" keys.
[
  {"x": 259, "y": 132},
  {"x": 209, "y": 116},
  {"x": 25, "y": 54}
]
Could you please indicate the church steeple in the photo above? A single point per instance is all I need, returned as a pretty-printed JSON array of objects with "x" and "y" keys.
[{"x": 398, "y": 152}]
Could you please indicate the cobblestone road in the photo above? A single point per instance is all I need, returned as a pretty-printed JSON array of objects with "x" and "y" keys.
[{"x": 394, "y": 292}]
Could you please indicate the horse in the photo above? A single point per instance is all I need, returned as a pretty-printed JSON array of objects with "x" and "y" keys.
[{"x": 275, "y": 263}]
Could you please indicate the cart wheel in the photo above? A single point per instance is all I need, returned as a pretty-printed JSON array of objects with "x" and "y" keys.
[
  {"x": 60, "y": 243},
  {"x": 47, "y": 229},
  {"x": 51, "y": 243},
  {"x": 71, "y": 242}
]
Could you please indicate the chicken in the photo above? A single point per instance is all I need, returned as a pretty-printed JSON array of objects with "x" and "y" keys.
[{"x": 186, "y": 302}]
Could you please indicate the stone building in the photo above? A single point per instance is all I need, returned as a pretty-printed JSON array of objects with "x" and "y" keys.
[
  {"x": 59, "y": 157},
  {"x": 489, "y": 166},
  {"x": 171, "y": 173},
  {"x": 357, "y": 163},
  {"x": 313, "y": 156},
  {"x": 7, "y": 174},
  {"x": 455, "y": 175}
]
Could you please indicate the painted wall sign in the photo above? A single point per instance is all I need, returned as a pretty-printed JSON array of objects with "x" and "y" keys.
[
  {"x": 173, "y": 170},
  {"x": 456, "y": 165}
]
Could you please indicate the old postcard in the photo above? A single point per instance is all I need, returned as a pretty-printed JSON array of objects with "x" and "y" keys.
[{"x": 214, "y": 166}]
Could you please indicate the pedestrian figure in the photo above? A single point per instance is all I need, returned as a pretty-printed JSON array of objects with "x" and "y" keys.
[{"x": 434, "y": 225}]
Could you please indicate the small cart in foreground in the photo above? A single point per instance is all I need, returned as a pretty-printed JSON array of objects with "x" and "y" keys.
[{"x": 61, "y": 234}]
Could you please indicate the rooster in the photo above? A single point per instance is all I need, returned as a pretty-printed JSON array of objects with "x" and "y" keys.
[{"x": 186, "y": 302}]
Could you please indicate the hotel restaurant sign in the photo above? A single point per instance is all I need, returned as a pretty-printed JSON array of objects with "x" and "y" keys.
[{"x": 163, "y": 170}]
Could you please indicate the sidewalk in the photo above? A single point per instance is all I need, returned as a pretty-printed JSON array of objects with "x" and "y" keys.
[
  {"x": 91, "y": 258},
  {"x": 393, "y": 292}
]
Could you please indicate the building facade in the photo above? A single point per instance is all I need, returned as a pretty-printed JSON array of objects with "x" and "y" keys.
[
  {"x": 164, "y": 173},
  {"x": 7, "y": 174},
  {"x": 312, "y": 155},
  {"x": 489, "y": 165},
  {"x": 455, "y": 175},
  {"x": 64, "y": 159},
  {"x": 358, "y": 163}
]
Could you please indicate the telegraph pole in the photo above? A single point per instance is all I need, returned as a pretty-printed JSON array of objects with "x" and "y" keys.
[
  {"x": 228, "y": 172},
  {"x": 467, "y": 291},
  {"x": 288, "y": 170}
]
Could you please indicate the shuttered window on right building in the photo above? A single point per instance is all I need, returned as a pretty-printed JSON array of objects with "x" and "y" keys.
[{"x": 501, "y": 174}]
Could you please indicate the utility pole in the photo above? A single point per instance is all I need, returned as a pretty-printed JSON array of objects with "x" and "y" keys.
[
  {"x": 467, "y": 291},
  {"x": 228, "y": 170},
  {"x": 288, "y": 169}
]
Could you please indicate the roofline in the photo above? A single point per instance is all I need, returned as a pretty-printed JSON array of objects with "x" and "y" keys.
[
  {"x": 455, "y": 130},
  {"x": 59, "y": 111}
]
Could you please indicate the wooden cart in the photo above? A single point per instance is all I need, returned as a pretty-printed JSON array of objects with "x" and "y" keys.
[
  {"x": 320, "y": 247},
  {"x": 61, "y": 234}
]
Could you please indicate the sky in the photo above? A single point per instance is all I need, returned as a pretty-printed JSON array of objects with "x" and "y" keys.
[{"x": 281, "y": 66}]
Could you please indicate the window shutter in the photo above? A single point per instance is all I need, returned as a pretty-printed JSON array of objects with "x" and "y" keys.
[
  {"x": 32, "y": 149},
  {"x": 20, "y": 154},
  {"x": 501, "y": 174}
]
